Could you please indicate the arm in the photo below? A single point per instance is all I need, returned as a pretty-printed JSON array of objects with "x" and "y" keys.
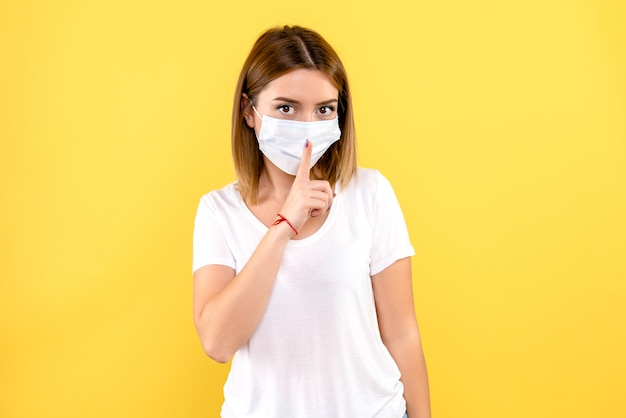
[
  {"x": 228, "y": 307},
  {"x": 393, "y": 293}
]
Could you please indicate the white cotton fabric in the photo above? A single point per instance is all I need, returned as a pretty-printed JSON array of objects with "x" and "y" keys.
[{"x": 317, "y": 352}]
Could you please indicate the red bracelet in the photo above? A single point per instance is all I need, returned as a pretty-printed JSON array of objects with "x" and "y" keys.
[{"x": 280, "y": 219}]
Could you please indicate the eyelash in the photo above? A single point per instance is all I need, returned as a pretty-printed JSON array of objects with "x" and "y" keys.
[{"x": 281, "y": 107}]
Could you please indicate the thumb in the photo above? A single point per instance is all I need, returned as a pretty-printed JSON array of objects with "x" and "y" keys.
[{"x": 305, "y": 162}]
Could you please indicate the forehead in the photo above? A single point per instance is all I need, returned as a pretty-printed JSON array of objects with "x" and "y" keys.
[{"x": 301, "y": 85}]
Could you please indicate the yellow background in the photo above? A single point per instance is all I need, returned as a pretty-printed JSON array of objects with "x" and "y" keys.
[{"x": 501, "y": 125}]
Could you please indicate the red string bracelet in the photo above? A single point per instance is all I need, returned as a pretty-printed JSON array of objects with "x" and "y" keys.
[{"x": 280, "y": 219}]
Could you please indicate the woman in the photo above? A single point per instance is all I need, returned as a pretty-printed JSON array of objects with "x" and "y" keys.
[{"x": 302, "y": 267}]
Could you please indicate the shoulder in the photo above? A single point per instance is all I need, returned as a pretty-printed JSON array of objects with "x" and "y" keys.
[
  {"x": 368, "y": 181},
  {"x": 367, "y": 189},
  {"x": 226, "y": 193},
  {"x": 221, "y": 200}
]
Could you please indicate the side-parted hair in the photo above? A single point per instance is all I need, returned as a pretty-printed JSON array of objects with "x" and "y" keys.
[{"x": 277, "y": 52}]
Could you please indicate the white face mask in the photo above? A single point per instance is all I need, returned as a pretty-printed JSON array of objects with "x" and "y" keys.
[{"x": 282, "y": 141}]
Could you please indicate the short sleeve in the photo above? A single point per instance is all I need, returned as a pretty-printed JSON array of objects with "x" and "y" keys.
[
  {"x": 209, "y": 242},
  {"x": 390, "y": 235}
]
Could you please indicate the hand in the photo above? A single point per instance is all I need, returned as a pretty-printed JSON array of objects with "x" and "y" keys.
[{"x": 307, "y": 198}]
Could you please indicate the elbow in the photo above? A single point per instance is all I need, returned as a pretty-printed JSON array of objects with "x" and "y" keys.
[
  {"x": 218, "y": 345},
  {"x": 217, "y": 352},
  {"x": 220, "y": 358},
  {"x": 213, "y": 344}
]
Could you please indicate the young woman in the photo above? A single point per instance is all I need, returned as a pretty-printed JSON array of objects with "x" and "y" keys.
[{"x": 302, "y": 267}]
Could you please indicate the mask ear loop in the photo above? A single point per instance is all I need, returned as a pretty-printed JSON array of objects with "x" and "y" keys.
[{"x": 255, "y": 111}]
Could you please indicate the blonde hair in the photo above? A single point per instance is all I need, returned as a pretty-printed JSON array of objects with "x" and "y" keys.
[{"x": 277, "y": 52}]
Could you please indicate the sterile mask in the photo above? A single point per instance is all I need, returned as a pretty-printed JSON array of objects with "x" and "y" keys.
[{"x": 282, "y": 141}]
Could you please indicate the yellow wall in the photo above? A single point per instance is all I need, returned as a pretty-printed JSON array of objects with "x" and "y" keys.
[{"x": 502, "y": 126}]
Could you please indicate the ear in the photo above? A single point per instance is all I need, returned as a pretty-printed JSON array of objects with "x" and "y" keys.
[{"x": 246, "y": 107}]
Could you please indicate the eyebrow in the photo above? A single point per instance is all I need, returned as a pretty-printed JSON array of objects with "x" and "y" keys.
[{"x": 288, "y": 100}]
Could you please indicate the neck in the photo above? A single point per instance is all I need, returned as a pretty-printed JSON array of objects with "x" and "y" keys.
[{"x": 274, "y": 184}]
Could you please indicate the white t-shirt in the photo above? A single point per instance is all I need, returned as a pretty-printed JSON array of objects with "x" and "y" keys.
[{"x": 317, "y": 351}]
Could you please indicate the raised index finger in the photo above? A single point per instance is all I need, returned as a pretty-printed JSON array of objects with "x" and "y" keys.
[{"x": 305, "y": 163}]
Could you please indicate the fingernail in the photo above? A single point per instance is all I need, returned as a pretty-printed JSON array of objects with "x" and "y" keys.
[
  {"x": 330, "y": 206},
  {"x": 306, "y": 143}
]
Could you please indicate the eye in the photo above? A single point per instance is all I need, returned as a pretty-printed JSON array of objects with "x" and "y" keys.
[
  {"x": 326, "y": 110},
  {"x": 286, "y": 109}
]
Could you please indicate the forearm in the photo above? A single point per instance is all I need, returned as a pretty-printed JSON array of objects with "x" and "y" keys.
[
  {"x": 409, "y": 356},
  {"x": 228, "y": 318}
]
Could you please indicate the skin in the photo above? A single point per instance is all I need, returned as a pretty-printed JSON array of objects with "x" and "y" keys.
[{"x": 229, "y": 307}]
